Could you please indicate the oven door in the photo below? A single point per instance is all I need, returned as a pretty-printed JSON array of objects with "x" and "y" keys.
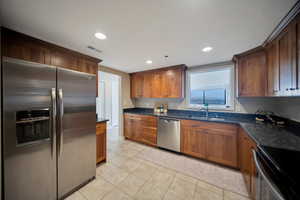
[{"x": 265, "y": 183}]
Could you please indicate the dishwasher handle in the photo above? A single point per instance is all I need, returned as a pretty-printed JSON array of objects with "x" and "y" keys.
[{"x": 168, "y": 120}]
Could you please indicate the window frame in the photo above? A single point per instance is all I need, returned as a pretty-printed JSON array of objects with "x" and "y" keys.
[{"x": 229, "y": 106}]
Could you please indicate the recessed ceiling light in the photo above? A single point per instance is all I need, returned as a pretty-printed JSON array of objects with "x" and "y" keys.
[
  {"x": 149, "y": 61},
  {"x": 100, "y": 36},
  {"x": 207, "y": 49}
]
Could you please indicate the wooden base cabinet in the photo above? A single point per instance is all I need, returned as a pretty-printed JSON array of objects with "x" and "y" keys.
[
  {"x": 141, "y": 128},
  {"x": 246, "y": 160},
  {"x": 193, "y": 139},
  {"x": 100, "y": 142},
  {"x": 215, "y": 142}
]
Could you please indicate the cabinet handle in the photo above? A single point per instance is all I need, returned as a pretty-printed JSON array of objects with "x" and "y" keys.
[{"x": 292, "y": 88}]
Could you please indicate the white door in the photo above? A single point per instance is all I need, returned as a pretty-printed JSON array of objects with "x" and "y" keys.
[{"x": 108, "y": 101}]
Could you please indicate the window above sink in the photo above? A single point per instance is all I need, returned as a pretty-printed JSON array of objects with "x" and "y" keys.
[{"x": 213, "y": 85}]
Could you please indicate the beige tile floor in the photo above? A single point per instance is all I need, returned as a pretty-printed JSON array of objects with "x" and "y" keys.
[{"x": 138, "y": 172}]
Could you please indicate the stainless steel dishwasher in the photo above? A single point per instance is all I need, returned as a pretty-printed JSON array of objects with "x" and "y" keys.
[{"x": 168, "y": 136}]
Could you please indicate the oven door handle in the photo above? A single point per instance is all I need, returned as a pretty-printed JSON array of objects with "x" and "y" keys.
[{"x": 266, "y": 178}]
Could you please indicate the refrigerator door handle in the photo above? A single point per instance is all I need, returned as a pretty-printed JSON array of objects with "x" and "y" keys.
[
  {"x": 61, "y": 114},
  {"x": 53, "y": 120}
]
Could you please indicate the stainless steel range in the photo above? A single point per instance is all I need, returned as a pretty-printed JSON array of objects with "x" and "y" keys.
[{"x": 49, "y": 127}]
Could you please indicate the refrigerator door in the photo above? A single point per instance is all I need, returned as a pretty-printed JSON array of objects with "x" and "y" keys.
[
  {"x": 76, "y": 131},
  {"x": 29, "y": 142}
]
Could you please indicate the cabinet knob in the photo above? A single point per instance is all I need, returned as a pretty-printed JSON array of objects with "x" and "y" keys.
[{"x": 287, "y": 89}]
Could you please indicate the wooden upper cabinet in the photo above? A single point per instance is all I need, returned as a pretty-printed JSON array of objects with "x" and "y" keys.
[
  {"x": 20, "y": 46},
  {"x": 297, "y": 71},
  {"x": 65, "y": 60},
  {"x": 161, "y": 83},
  {"x": 283, "y": 62},
  {"x": 252, "y": 74},
  {"x": 172, "y": 83},
  {"x": 286, "y": 60}
]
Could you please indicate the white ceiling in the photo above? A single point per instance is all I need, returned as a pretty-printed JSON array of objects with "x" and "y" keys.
[{"x": 138, "y": 30}]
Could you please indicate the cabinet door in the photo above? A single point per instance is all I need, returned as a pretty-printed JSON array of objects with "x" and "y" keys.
[
  {"x": 246, "y": 161},
  {"x": 66, "y": 60},
  {"x": 149, "y": 135},
  {"x": 193, "y": 140},
  {"x": 252, "y": 75},
  {"x": 101, "y": 142},
  {"x": 147, "y": 85},
  {"x": 148, "y": 130},
  {"x": 87, "y": 66},
  {"x": 137, "y": 81},
  {"x": 253, "y": 177},
  {"x": 285, "y": 61},
  {"x": 101, "y": 147},
  {"x": 132, "y": 127},
  {"x": 172, "y": 83},
  {"x": 273, "y": 69},
  {"x": 25, "y": 49},
  {"x": 157, "y": 85},
  {"x": 129, "y": 129},
  {"x": 222, "y": 147},
  {"x": 127, "y": 126},
  {"x": 298, "y": 56}
]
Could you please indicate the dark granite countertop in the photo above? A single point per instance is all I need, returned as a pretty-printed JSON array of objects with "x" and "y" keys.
[
  {"x": 264, "y": 134},
  {"x": 99, "y": 120}
]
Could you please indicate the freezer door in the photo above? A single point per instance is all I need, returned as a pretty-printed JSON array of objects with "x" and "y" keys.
[
  {"x": 76, "y": 129},
  {"x": 29, "y": 143}
]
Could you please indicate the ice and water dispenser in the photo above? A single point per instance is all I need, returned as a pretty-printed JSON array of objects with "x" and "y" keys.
[{"x": 32, "y": 126}]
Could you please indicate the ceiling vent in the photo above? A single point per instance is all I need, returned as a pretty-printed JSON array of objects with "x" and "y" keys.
[{"x": 94, "y": 49}]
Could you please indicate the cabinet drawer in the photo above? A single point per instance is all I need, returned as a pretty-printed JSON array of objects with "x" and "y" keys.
[
  {"x": 133, "y": 116},
  {"x": 210, "y": 126}
]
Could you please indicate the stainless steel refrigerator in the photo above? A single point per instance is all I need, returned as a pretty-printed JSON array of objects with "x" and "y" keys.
[{"x": 49, "y": 125}]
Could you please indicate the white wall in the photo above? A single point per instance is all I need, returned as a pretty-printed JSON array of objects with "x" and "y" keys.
[{"x": 245, "y": 105}]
